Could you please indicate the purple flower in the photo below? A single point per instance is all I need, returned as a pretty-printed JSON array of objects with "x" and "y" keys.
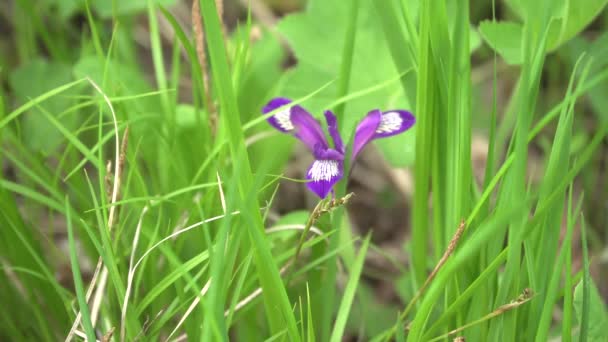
[{"x": 328, "y": 167}]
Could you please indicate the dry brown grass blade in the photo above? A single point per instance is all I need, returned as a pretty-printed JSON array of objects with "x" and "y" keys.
[{"x": 190, "y": 309}]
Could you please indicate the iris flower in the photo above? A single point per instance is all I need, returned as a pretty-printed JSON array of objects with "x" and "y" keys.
[{"x": 328, "y": 167}]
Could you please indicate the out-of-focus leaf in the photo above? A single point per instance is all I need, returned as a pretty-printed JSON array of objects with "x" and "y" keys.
[
  {"x": 31, "y": 80},
  {"x": 522, "y": 7},
  {"x": 261, "y": 75},
  {"x": 185, "y": 116},
  {"x": 118, "y": 75},
  {"x": 505, "y": 38},
  {"x": 598, "y": 315},
  {"x": 598, "y": 52},
  {"x": 120, "y": 79},
  {"x": 105, "y": 10},
  {"x": 317, "y": 39},
  {"x": 66, "y": 8},
  {"x": 474, "y": 39},
  {"x": 578, "y": 15},
  {"x": 294, "y": 217},
  {"x": 126, "y": 80}
]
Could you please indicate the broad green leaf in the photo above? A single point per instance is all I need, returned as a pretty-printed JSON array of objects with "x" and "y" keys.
[
  {"x": 293, "y": 217},
  {"x": 185, "y": 116},
  {"x": 31, "y": 80},
  {"x": 66, "y": 8},
  {"x": 579, "y": 14},
  {"x": 505, "y": 38},
  {"x": 298, "y": 217},
  {"x": 522, "y": 7},
  {"x": 260, "y": 76},
  {"x": 474, "y": 39},
  {"x": 400, "y": 149},
  {"x": 125, "y": 80},
  {"x": 105, "y": 8},
  {"x": 598, "y": 314},
  {"x": 120, "y": 79},
  {"x": 597, "y": 51},
  {"x": 317, "y": 39},
  {"x": 118, "y": 76}
]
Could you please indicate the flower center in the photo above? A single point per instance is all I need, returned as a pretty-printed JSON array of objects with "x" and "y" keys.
[
  {"x": 283, "y": 118},
  {"x": 323, "y": 170},
  {"x": 389, "y": 123}
]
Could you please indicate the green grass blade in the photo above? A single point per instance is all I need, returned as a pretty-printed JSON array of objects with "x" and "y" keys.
[
  {"x": 274, "y": 292},
  {"x": 80, "y": 292},
  {"x": 347, "y": 58},
  {"x": 568, "y": 281},
  {"x": 584, "y": 321},
  {"x": 550, "y": 295},
  {"x": 33, "y": 102},
  {"x": 349, "y": 292}
]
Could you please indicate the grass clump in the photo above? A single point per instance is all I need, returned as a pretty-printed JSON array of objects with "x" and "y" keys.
[{"x": 144, "y": 197}]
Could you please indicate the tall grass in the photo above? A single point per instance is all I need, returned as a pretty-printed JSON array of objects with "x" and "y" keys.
[{"x": 171, "y": 233}]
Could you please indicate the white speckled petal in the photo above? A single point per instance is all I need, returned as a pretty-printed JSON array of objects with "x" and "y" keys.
[
  {"x": 394, "y": 122},
  {"x": 322, "y": 176},
  {"x": 281, "y": 120}
]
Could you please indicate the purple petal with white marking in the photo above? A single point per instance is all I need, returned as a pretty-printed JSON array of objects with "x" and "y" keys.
[
  {"x": 307, "y": 128},
  {"x": 394, "y": 122},
  {"x": 332, "y": 125},
  {"x": 366, "y": 131},
  {"x": 281, "y": 120},
  {"x": 323, "y": 174}
]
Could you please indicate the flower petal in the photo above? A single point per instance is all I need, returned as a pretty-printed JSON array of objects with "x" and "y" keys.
[
  {"x": 394, "y": 122},
  {"x": 332, "y": 126},
  {"x": 366, "y": 131},
  {"x": 307, "y": 128},
  {"x": 281, "y": 120},
  {"x": 327, "y": 153},
  {"x": 323, "y": 174}
]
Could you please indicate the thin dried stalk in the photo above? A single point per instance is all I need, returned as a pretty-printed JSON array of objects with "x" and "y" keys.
[
  {"x": 520, "y": 300},
  {"x": 190, "y": 309},
  {"x": 323, "y": 207},
  {"x": 451, "y": 247}
]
